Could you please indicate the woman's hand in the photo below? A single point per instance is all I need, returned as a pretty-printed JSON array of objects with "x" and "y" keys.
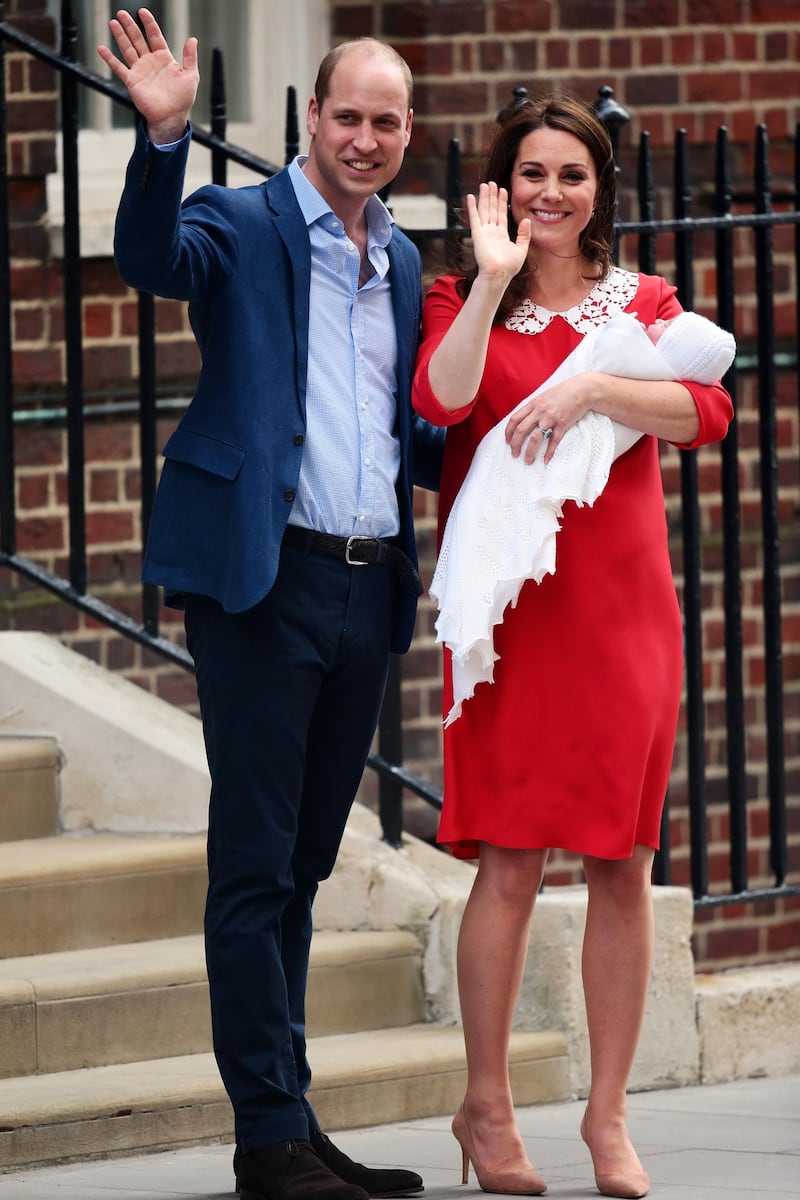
[
  {"x": 547, "y": 416},
  {"x": 495, "y": 253},
  {"x": 162, "y": 89}
]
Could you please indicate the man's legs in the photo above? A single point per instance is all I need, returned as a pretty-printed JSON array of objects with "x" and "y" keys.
[{"x": 289, "y": 692}]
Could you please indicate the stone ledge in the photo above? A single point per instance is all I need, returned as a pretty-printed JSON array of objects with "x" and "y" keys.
[{"x": 747, "y": 1021}]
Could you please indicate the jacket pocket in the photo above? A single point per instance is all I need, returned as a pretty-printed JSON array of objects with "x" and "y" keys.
[{"x": 207, "y": 453}]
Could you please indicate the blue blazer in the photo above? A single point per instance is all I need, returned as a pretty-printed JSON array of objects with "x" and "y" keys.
[{"x": 242, "y": 259}]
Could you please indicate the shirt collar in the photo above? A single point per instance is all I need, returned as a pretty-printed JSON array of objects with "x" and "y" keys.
[{"x": 315, "y": 208}]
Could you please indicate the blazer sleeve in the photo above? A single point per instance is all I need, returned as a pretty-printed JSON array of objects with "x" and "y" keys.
[{"x": 177, "y": 250}]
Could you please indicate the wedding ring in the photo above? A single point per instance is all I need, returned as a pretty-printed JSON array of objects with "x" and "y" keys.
[{"x": 546, "y": 433}]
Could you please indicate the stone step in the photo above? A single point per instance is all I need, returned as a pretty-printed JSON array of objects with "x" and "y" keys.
[
  {"x": 360, "y": 1079},
  {"x": 146, "y": 1000},
  {"x": 68, "y": 893},
  {"x": 28, "y": 787}
]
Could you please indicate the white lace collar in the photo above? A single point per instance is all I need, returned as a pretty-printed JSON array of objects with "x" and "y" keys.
[{"x": 611, "y": 295}]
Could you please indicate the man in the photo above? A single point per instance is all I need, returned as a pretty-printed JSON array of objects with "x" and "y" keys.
[{"x": 283, "y": 526}]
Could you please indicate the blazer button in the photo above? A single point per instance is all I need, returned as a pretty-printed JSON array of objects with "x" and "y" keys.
[
  {"x": 298, "y": 439},
  {"x": 289, "y": 494}
]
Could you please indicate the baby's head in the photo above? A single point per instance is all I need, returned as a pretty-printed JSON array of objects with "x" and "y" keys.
[
  {"x": 657, "y": 329},
  {"x": 694, "y": 348}
]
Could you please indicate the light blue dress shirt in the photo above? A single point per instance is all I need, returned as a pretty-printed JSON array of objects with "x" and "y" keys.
[{"x": 350, "y": 456}]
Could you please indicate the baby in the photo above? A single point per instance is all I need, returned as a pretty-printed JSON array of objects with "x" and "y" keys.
[{"x": 502, "y": 527}]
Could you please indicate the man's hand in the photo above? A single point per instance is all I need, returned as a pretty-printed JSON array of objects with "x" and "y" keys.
[{"x": 162, "y": 89}]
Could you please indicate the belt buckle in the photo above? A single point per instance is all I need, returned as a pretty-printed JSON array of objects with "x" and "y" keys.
[{"x": 355, "y": 562}]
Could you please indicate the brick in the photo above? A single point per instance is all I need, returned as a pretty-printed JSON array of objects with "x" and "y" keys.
[
  {"x": 589, "y": 53},
  {"x": 645, "y": 14},
  {"x": 103, "y": 486},
  {"x": 719, "y": 87},
  {"x": 654, "y": 88},
  {"x": 33, "y": 491},
  {"x": 106, "y": 441},
  {"x": 523, "y": 16},
  {"x": 404, "y": 20},
  {"x": 104, "y": 365},
  {"x": 586, "y": 14},
  {"x": 98, "y": 320},
  {"x": 35, "y": 534},
  {"x": 110, "y": 527},
  {"x": 352, "y": 22},
  {"x": 772, "y": 85},
  {"x": 773, "y": 12},
  {"x": 34, "y": 368},
  {"x": 556, "y": 53},
  {"x": 29, "y": 116}
]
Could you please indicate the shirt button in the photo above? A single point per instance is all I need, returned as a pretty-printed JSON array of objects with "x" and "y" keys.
[
  {"x": 298, "y": 439},
  {"x": 367, "y": 462},
  {"x": 289, "y": 494},
  {"x": 362, "y": 518}
]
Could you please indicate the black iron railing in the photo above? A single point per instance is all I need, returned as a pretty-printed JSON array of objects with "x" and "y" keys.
[{"x": 684, "y": 229}]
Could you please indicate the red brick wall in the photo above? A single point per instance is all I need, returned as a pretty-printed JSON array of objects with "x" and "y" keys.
[{"x": 737, "y": 67}]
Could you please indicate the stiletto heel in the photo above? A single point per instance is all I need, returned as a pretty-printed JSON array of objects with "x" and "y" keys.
[
  {"x": 506, "y": 1183},
  {"x": 464, "y": 1166},
  {"x": 625, "y": 1185}
]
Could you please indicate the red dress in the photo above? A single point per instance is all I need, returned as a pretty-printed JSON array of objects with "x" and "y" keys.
[{"x": 571, "y": 746}]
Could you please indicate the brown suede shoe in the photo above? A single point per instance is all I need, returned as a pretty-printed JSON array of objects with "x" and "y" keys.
[
  {"x": 379, "y": 1182},
  {"x": 290, "y": 1171}
]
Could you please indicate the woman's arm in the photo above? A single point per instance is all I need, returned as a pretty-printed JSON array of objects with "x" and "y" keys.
[
  {"x": 456, "y": 366},
  {"x": 685, "y": 413}
]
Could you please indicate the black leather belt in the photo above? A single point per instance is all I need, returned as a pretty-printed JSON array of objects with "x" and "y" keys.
[{"x": 357, "y": 551}]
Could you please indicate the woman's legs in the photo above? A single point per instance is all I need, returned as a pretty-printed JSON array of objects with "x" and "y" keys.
[
  {"x": 617, "y": 957},
  {"x": 492, "y": 947}
]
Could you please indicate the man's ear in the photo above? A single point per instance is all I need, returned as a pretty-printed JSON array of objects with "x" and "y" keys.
[
  {"x": 409, "y": 121},
  {"x": 312, "y": 116}
]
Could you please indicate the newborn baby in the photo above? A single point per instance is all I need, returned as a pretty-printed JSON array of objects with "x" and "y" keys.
[{"x": 502, "y": 527}]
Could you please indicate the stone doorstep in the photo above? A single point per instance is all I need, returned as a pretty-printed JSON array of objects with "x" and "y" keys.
[
  {"x": 115, "y": 1004},
  {"x": 28, "y": 791},
  {"x": 748, "y": 1021},
  {"x": 72, "y": 892},
  {"x": 360, "y": 1079}
]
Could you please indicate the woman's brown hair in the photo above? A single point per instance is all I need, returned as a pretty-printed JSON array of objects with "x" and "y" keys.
[{"x": 569, "y": 114}]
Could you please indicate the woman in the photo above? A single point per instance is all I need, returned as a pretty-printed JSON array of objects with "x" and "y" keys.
[{"x": 571, "y": 745}]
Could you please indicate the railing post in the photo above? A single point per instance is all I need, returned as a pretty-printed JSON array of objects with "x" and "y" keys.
[
  {"x": 390, "y": 747},
  {"x": 7, "y": 499},
  {"x": 454, "y": 197},
  {"x": 292, "y": 128},
  {"x": 612, "y": 114},
  {"x": 690, "y": 526},
  {"x": 770, "y": 522},
  {"x": 219, "y": 117},
  {"x": 731, "y": 535},
  {"x": 73, "y": 293},
  {"x": 147, "y": 442}
]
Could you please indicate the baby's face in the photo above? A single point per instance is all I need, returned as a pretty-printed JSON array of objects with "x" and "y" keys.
[{"x": 656, "y": 330}]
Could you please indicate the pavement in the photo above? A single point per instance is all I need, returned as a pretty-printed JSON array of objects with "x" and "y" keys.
[{"x": 740, "y": 1141}]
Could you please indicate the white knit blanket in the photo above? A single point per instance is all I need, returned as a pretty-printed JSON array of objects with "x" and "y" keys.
[{"x": 502, "y": 527}]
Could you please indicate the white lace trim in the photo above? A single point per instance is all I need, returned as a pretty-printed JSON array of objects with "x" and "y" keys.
[{"x": 611, "y": 295}]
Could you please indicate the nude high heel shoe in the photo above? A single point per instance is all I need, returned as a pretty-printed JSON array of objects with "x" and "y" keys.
[
  {"x": 507, "y": 1183},
  {"x": 628, "y": 1184}
]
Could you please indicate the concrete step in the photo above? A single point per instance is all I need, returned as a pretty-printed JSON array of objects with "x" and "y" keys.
[
  {"x": 67, "y": 893},
  {"x": 360, "y": 1079},
  {"x": 29, "y": 769},
  {"x": 146, "y": 1000}
]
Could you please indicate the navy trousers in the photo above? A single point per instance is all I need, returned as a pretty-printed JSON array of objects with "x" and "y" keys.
[{"x": 290, "y": 692}]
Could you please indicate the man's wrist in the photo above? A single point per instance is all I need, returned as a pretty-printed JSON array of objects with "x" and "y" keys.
[{"x": 162, "y": 133}]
